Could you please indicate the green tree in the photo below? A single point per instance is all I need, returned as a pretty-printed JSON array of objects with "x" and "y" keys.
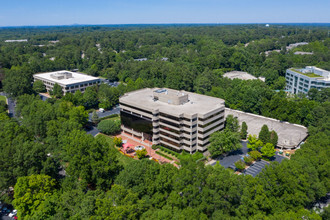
[
  {"x": 273, "y": 138},
  {"x": 255, "y": 154},
  {"x": 243, "y": 132},
  {"x": 268, "y": 150},
  {"x": 57, "y": 91},
  {"x": 264, "y": 134},
  {"x": 109, "y": 126},
  {"x": 141, "y": 153},
  {"x": 119, "y": 203},
  {"x": 31, "y": 192},
  {"x": 232, "y": 123},
  {"x": 224, "y": 141},
  {"x": 38, "y": 86},
  {"x": 240, "y": 165},
  {"x": 18, "y": 81},
  {"x": 254, "y": 143},
  {"x": 90, "y": 98},
  {"x": 95, "y": 117}
]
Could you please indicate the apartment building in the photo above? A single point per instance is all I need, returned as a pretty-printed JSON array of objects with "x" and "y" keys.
[
  {"x": 302, "y": 80},
  {"x": 69, "y": 81},
  {"x": 178, "y": 120}
]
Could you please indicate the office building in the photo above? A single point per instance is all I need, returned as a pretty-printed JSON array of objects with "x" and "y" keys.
[
  {"x": 178, "y": 120},
  {"x": 302, "y": 80},
  {"x": 69, "y": 81}
]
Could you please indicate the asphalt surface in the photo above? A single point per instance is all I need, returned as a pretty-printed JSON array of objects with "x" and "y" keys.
[
  {"x": 93, "y": 130},
  {"x": 229, "y": 160},
  {"x": 232, "y": 157},
  {"x": 113, "y": 111},
  {"x": 11, "y": 105}
]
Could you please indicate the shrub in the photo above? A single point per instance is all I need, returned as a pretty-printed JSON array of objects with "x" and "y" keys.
[
  {"x": 248, "y": 160},
  {"x": 117, "y": 141},
  {"x": 240, "y": 165},
  {"x": 109, "y": 126},
  {"x": 255, "y": 154},
  {"x": 154, "y": 147},
  {"x": 141, "y": 153}
]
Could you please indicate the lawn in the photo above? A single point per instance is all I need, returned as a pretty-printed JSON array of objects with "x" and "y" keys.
[
  {"x": 306, "y": 74},
  {"x": 123, "y": 160},
  {"x": 3, "y": 98}
]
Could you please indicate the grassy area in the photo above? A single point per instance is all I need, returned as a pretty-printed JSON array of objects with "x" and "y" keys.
[
  {"x": 123, "y": 160},
  {"x": 111, "y": 117},
  {"x": 3, "y": 98},
  {"x": 306, "y": 74}
]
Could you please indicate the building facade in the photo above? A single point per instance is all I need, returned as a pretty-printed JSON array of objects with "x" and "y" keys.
[
  {"x": 69, "y": 81},
  {"x": 302, "y": 80},
  {"x": 177, "y": 120}
]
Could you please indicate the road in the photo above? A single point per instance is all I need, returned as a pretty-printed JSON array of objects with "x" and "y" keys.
[
  {"x": 113, "y": 111},
  {"x": 93, "y": 130},
  {"x": 11, "y": 105}
]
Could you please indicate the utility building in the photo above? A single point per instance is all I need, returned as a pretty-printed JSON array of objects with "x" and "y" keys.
[
  {"x": 69, "y": 81},
  {"x": 178, "y": 120}
]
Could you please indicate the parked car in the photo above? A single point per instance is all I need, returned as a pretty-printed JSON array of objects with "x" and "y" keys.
[{"x": 13, "y": 213}]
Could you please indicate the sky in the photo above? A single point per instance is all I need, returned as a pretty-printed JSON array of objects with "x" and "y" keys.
[{"x": 68, "y": 12}]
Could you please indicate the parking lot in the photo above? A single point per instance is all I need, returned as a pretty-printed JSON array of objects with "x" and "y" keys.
[{"x": 228, "y": 161}]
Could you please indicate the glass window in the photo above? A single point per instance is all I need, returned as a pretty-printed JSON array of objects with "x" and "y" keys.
[{"x": 137, "y": 123}]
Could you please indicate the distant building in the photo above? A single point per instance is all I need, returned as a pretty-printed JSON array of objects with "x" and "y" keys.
[
  {"x": 69, "y": 81},
  {"x": 303, "y": 53},
  {"x": 242, "y": 75},
  {"x": 267, "y": 25},
  {"x": 177, "y": 120},
  {"x": 291, "y": 46},
  {"x": 12, "y": 41},
  {"x": 302, "y": 80},
  {"x": 141, "y": 59}
]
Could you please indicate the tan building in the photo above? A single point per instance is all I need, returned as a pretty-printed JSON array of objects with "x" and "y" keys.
[
  {"x": 178, "y": 120},
  {"x": 69, "y": 81}
]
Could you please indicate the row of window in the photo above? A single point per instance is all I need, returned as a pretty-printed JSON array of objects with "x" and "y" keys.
[
  {"x": 136, "y": 108},
  {"x": 210, "y": 129},
  {"x": 211, "y": 116}
]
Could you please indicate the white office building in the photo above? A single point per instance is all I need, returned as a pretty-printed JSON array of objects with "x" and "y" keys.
[
  {"x": 302, "y": 80},
  {"x": 69, "y": 81}
]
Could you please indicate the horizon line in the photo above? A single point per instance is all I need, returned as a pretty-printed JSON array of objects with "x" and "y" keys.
[{"x": 128, "y": 24}]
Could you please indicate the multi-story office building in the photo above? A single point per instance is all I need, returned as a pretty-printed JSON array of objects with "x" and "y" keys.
[
  {"x": 69, "y": 81},
  {"x": 178, "y": 120},
  {"x": 302, "y": 80}
]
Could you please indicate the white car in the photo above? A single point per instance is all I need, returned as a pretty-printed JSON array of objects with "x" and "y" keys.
[{"x": 13, "y": 213}]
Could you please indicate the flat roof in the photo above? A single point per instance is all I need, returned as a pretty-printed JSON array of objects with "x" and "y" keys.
[
  {"x": 76, "y": 77},
  {"x": 289, "y": 135},
  {"x": 197, "y": 104},
  {"x": 239, "y": 75}
]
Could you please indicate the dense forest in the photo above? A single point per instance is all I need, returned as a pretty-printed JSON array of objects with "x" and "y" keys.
[{"x": 48, "y": 137}]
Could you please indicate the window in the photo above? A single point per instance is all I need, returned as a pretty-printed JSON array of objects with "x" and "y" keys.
[
  {"x": 211, "y": 116},
  {"x": 136, "y": 108}
]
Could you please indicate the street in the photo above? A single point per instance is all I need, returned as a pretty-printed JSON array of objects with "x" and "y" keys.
[
  {"x": 11, "y": 105},
  {"x": 115, "y": 110}
]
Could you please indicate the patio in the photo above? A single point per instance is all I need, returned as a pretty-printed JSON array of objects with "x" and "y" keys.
[{"x": 130, "y": 143}]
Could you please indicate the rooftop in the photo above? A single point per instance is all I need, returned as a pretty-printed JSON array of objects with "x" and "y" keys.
[
  {"x": 65, "y": 77},
  {"x": 289, "y": 135},
  {"x": 192, "y": 103},
  {"x": 313, "y": 72},
  {"x": 241, "y": 75}
]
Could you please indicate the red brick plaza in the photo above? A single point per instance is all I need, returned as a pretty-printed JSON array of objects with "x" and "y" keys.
[{"x": 132, "y": 142}]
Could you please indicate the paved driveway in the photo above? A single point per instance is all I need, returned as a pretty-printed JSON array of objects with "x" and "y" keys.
[
  {"x": 115, "y": 110},
  {"x": 11, "y": 105}
]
